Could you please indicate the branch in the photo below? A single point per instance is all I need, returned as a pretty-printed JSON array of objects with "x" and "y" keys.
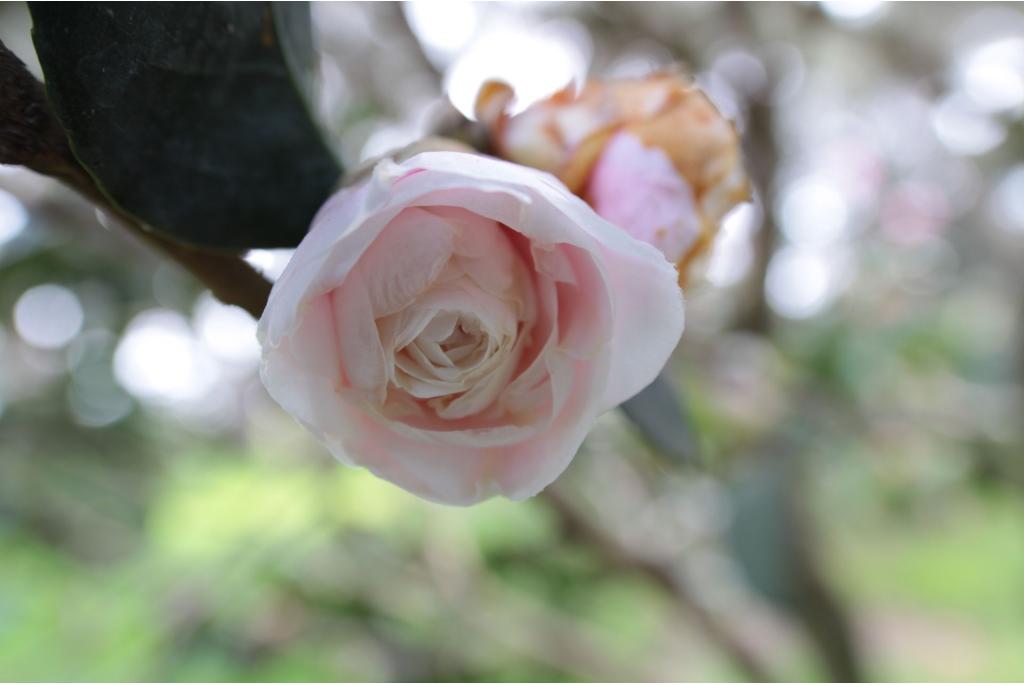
[
  {"x": 31, "y": 136},
  {"x": 580, "y": 527}
]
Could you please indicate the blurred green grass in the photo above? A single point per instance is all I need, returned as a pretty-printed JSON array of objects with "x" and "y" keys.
[
  {"x": 260, "y": 570},
  {"x": 938, "y": 590}
]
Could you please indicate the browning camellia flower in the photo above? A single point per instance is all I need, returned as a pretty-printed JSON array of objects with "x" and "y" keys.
[
  {"x": 456, "y": 323},
  {"x": 651, "y": 155}
]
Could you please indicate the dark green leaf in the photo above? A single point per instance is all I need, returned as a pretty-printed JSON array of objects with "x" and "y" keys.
[
  {"x": 658, "y": 413},
  {"x": 189, "y": 116}
]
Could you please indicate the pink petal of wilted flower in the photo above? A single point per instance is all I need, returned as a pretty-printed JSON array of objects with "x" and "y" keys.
[{"x": 639, "y": 190}]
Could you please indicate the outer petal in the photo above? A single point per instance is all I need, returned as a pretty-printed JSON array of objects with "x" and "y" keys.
[
  {"x": 290, "y": 291},
  {"x": 300, "y": 373}
]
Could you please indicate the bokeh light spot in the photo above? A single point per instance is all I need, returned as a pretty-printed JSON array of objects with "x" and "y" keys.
[
  {"x": 13, "y": 216},
  {"x": 48, "y": 316},
  {"x": 159, "y": 359},
  {"x": 535, "y": 61},
  {"x": 853, "y": 12},
  {"x": 799, "y": 283},
  {"x": 270, "y": 263},
  {"x": 993, "y": 75},
  {"x": 733, "y": 252},
  {"x": 1007, "y": 202},
  {"x": 963, "y": 127},
  {"x": 443, "y": 30},
  {"x": 813, "y": 212},
  {"x": 228, "y": 332}
]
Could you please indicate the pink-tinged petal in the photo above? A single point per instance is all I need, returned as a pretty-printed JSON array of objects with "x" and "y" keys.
[
  {"x": 584, "y": 306},
  {"x": 360, "y": 354},
  {"x": 648, "y": 322},
  {"x": 639, "y": 190},
  {"x": 405, "y": 259},
  {"x": 538, "y": 462},
  {"x": 302, "y": 373}
]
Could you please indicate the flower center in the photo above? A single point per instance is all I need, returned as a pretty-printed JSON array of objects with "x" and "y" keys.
[{"x": 442, "y": 358}]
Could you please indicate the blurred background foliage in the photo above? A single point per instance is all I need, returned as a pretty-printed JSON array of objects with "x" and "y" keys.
[{"x": 852, "y": 367}]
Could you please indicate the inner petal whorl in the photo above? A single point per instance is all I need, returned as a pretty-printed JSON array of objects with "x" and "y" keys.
[
  {"x": 448, "y": 352},
  {"x": 456, "y": 345}
]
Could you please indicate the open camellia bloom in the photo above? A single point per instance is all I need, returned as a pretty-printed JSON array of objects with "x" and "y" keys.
[
  {"x": 456, "y": 323},
  {"x": 651, "y": 155}
]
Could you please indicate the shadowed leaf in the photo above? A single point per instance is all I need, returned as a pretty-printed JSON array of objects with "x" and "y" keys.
[
  {"x": 189, "y": 116},
  {"x": 658, "y": 413}
]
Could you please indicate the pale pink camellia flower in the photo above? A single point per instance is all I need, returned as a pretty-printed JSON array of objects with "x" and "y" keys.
[
  {"x": 456, "y": 323},
  {"x": 652, "y": 155}
]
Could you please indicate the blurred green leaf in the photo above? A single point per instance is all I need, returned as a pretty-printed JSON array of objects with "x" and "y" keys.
[
  {"x": 657, "y": 412},
  {"x": 759, "y": 534},
  {"x": 190, "y": 116}
]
